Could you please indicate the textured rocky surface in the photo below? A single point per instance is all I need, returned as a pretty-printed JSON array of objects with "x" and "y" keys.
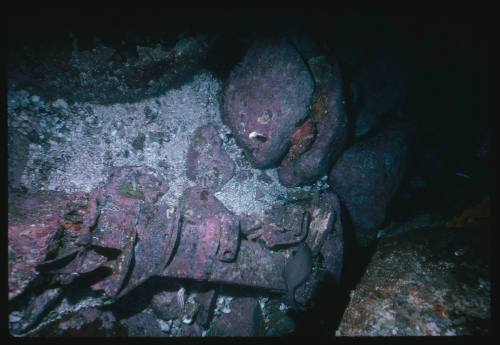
[
  {"x": 266, "y": 98},
  {"x": 432, "y": 281},
  {"x": 107, "y": 73},
  {"x": 367, "y": 176}
]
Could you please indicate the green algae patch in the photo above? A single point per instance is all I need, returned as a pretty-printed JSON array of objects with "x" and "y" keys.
[{"x": 130, "y": 190}]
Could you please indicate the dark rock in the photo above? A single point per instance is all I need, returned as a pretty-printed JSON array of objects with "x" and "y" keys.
[
  {"x": 244, "y": 320},
  {"x": 316, "y": 146},
  {"x": 37, "y": 308},
  {"x": 192, "y": 330},
  {"x": 138, "y": 142},
  {"x": 206, "y": 300},
  {"x": 165, "y": 305},
  {"x": 367, "y": 176},
  {"x": 266, "y": 98},
  {"x": 109, "y": 74},
  {"x": 207, "y": 163},
  {"x": 432, "y": 281},
  {"x": 142, "y": 324},
  {"x": 279, "y": 322}
]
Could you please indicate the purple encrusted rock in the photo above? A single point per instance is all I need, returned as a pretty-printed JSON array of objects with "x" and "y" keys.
[
  {"x": 208, "y": 164},
  {"x": 266, "y": 99},
  {"x": 35, "y": 223},
  {"x": 316, "y": 146},
  {"x": 367, "y": 176}
]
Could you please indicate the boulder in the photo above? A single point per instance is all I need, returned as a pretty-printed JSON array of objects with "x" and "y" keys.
[
  {"x": 266, "y": 99},
  {"x": 367, "y": 176},
  {"x": 430, "y": 281}
]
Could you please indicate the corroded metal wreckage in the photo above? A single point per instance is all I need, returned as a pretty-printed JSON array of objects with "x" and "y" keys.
[{"x": 122, "y": 232}]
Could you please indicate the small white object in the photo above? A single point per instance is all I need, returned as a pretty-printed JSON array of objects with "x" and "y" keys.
[
  {"x": 258, "y": 136},
  {"x": 461, "y": 174},
  {"x": 187, "y": 320}
]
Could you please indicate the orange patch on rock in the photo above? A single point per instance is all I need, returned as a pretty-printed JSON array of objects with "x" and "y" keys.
[{"x": 301, "y": 139}]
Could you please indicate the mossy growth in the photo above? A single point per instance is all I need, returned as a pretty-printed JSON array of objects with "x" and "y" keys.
[{"x": 130, "y": 190}]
